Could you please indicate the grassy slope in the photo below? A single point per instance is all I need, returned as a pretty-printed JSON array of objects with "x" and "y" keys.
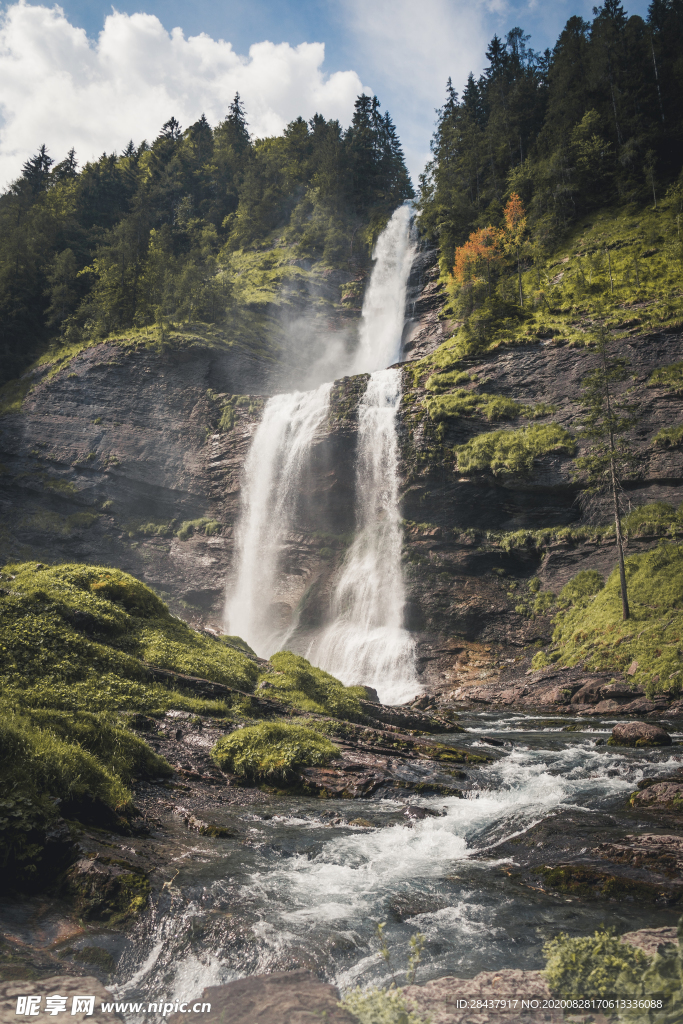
[{"x": 646, "y": 648}]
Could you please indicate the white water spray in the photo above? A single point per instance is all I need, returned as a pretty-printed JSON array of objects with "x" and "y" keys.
[
  {"x": 277, "y": 460},
  {"x": 366, "y": 642}
]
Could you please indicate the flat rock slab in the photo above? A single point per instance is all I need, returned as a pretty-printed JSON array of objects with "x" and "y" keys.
[
  {"x": 649, "y": 939},
  {"x": 288, "y": 997},
  {"x": 441, "y": 1000},
  {"x": 61, "y": 985},
  {"x": 660, "y": 853}
]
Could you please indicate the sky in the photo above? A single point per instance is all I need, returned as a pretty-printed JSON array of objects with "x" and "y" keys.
[{"x": 90, "y": 75}]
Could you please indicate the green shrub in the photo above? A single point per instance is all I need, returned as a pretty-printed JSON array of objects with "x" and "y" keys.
[
  {"x": 662, "y": 979},
  {"x": 513, "y": 451},
  {"x": 272, "y": 751},
  {"x": 380, "y": 1006},
  {"x": 590, "y": 630},
  {"x": 23, "y": 823},
  {"x": 297, "y": 682},
  {"x": 594, "y": 966}
]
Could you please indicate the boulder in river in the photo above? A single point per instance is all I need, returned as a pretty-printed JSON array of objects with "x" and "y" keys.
[{"x": 639, "y": 734}]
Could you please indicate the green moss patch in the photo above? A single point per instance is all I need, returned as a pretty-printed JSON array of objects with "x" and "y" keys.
[
  {"x": 272, "y": 751},
  {"x": 297, "y": 682},
  {"x": 669, "y": 437},
  {"x": 513, "y": 451},
  {"x": 647, "y": 648},
  {"x": 670, "y": 376}
]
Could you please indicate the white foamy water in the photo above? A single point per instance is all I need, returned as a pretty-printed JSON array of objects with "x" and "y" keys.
[
  {"x": 277, "y": 461},
  {"x": 365, "y": 642}
]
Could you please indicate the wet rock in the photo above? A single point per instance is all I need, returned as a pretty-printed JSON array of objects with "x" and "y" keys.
[
  {"x": 63, "y": 985},
  {"x": 441, "y": 1000},
  {"x": 596, "y": 692},
  {"x": 492, "y": 741},
  {"x": 420, "y": 813},
  {"x": 639, "y": 734},
  {"x": 104, "y": 890},
  {"x": 288, "y": 997},
  {"x": 207, "y": 828},
  {"x": 660, "y": 853},
  {"x": 411, "y": 717},
  {"x": 404, "y": 906},
  {"x": 660, "y": 796}
]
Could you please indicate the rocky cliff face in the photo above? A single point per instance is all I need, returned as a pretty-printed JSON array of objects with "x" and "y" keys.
[{"x": 124, "y": 457}]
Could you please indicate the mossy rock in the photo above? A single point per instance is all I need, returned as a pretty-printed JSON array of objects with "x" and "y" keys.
[
  {"x": 272, "y": 752},
  {"x": 97, "y": 957},
  {"x": 76, "y": 643},
  {"x": 109, "y": 892},
  {"x": 297, "y": 682}
]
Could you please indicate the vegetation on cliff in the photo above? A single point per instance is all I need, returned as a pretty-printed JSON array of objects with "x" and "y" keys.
[
  {"x": 203, "y": 225},
  {"x": 298, "y": 683},
  {"x": 595, "y": 121},
  {"x": 646, "y": 648}
]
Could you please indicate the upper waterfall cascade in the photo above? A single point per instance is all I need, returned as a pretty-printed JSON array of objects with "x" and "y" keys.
[{"x": 364, "y": 641}]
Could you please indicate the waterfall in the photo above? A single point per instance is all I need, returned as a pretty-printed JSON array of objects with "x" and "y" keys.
[
  {"x": 366, "y": 642},
  {"x": 277, "y": 459}
]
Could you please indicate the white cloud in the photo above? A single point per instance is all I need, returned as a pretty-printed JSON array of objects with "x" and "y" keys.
[{"x": 59, "y": 87}]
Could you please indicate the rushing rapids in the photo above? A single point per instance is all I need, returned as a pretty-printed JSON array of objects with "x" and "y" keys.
[
  {"x": 304, "y": 885},
  {"x": 364, "y": 640}
]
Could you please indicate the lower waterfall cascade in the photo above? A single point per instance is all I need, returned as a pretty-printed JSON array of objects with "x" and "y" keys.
[{"x": 364, "y": 642}]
